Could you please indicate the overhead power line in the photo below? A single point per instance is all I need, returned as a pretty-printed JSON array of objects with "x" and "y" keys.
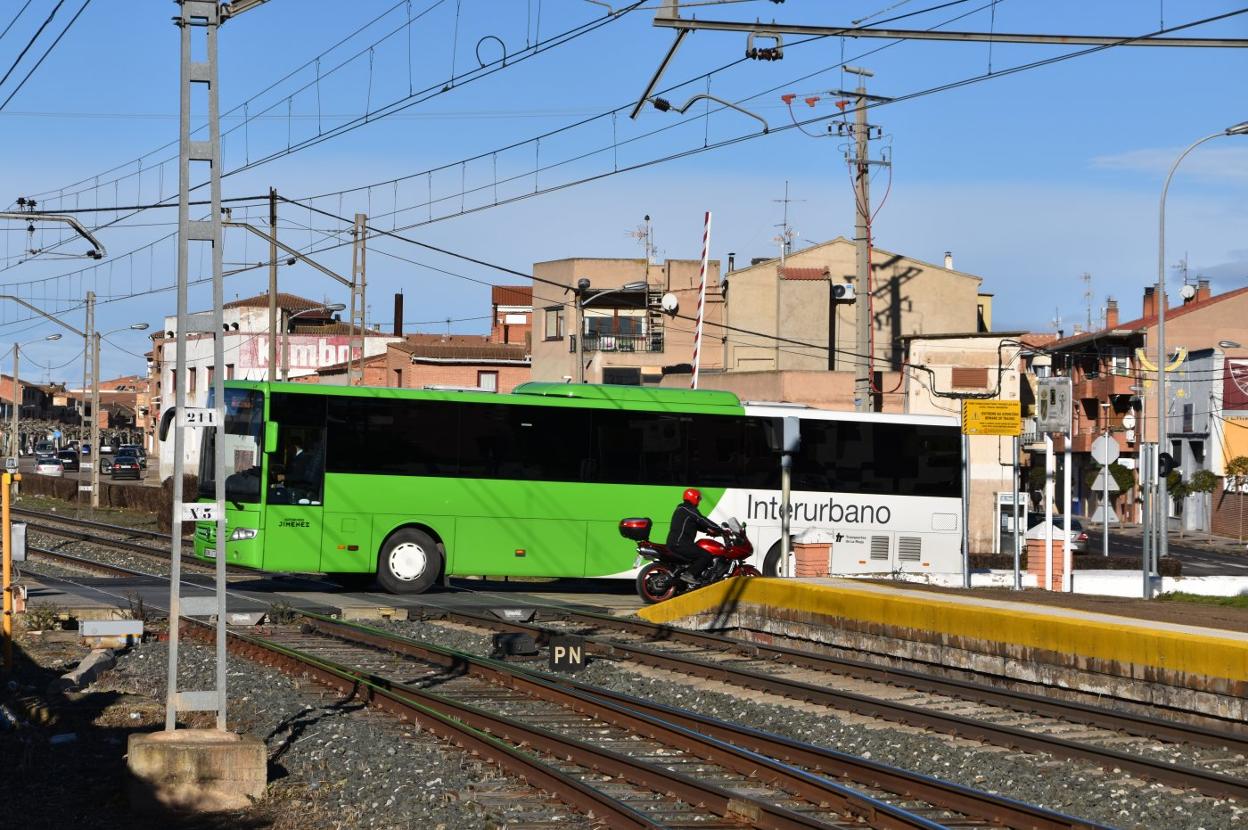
[
  {"x": 31, "y": 42},
  {"x": 47, "y": 52}
]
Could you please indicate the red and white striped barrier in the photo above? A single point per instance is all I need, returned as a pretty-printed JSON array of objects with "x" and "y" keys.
[{"x": 697, "y": 329}]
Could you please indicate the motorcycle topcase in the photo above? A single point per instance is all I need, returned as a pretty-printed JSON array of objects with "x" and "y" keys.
[{"x": 636, "y": 529}]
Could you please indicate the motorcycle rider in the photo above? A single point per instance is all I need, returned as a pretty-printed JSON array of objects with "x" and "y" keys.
[{"x": 686, "y": 522}]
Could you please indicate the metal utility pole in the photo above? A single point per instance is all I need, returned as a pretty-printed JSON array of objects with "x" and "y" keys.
[
  {"x": 862, "y": 221},
  {"x": 272, "y": 285},
  {"x": 199, "y": 18},
  {"x": 355, "y": 376}
]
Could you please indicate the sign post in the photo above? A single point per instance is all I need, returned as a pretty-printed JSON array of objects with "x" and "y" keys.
[
  {"x": 983, "y": 417},
  {"x": 1105, "y": 452},
  {"x": 1053, "y": 416}
]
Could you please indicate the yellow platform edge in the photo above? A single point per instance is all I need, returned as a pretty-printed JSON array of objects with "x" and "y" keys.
[{"x": 1201, "y": 654}]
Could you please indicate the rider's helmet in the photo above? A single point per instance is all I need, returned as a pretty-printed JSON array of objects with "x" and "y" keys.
[{"x": 694, "y": 496}]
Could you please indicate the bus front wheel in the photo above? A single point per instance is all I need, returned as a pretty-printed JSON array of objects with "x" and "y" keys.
[{"x": 410, "y": 562}]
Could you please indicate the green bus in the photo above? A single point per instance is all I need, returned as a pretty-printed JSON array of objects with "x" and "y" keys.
[{"x": 412, "y": 485}]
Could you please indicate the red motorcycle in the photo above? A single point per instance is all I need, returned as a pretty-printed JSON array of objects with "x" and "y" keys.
[{"x": 661, "y": 578}]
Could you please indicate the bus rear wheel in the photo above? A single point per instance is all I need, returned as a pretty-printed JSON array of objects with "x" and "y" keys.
[{"x": 410, "y": 562}]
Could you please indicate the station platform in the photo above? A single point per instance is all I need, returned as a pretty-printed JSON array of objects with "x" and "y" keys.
[{"x": 1161, "y": 662}]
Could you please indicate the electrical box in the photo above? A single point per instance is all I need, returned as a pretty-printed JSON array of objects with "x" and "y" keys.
[{"x": 19, "y": 541}]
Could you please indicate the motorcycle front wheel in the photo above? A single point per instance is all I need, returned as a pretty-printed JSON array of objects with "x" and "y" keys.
[{"x": 656, "y": 583}]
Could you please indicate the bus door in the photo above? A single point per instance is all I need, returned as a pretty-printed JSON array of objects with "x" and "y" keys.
[{"x": 294, "y": 515}]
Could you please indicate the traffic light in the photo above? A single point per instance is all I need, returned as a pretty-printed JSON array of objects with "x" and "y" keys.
[{"x": 1165, "y": 464}]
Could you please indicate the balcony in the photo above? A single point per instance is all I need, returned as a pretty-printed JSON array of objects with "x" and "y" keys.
[
  {"x": 652, "y": 342},
  {"x": 1101, "y": 387}
]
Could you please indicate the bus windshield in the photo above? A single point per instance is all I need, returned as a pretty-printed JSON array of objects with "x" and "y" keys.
[{"x": 244, "y": 436}]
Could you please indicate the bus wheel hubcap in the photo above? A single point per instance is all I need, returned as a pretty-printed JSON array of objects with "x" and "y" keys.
[{"x": 407, "y": 561}]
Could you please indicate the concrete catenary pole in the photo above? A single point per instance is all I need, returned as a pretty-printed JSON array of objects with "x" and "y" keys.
[
  {"x": 355, "y": 372},
  {"x": 94, "y": 345},
  {"x": 862, "y": 218},
  {"x": 272, "y": 285},
  {"x": 15, "y": 444}
]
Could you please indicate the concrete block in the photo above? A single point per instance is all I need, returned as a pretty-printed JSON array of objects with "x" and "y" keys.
[
  {"x": 195, "y": 770},
  {"x": 92, "y": 666}
]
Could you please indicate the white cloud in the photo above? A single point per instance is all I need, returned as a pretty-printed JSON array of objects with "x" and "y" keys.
[{"x": 1208, "y": 163}]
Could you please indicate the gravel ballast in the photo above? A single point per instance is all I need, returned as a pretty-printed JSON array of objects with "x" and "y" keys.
[
  {"x": 333, "y": 762},
  {"x": 1068, "y": 787}
]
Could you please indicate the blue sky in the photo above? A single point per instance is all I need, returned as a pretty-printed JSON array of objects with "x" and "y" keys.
[{"x": 1030, "y": 179}]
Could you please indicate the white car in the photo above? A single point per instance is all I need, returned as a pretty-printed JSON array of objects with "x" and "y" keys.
[
  {"x": 1077, "y": 538},
  {"x": 49, "y": 465}
]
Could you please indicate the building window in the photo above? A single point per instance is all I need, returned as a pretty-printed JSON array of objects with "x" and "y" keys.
[
  {"x": 190, "y": 381},
  {"x": 627, "y": 322},
  {"x": 1120, "y": 361},
  {"x": 487, "y": 381},
  {"x": 554, "y": 324},
  {"x": 229, "y": 371},
  {"x": 622, "y": 375},
  {"x": 1189, "y": 417},
  {"x": 211, "y": 373}
]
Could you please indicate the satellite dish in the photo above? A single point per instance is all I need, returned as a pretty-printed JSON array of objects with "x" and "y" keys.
[
  {"x": 1187, "y": 292},
  {"x": 669, "y": 303}
]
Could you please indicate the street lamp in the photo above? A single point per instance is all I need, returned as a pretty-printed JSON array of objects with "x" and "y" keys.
[
  {"x": 15, "y": 444},
  {"x": 286, "y": 336},
  {"x": 582, "y": 286},
  {"x": 1162, "y": 438}
]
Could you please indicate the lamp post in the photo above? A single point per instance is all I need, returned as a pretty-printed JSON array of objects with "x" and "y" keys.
[
  {"x": 1162, "y": 438},
  {"x": 582, "y": 286},
  {"x": 15, "y": 444},
  {"x": 286, "y": 336}
]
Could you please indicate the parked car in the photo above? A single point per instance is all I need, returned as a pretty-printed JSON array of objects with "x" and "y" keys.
[
  {"x": 69, "y": 460},
  {"x": 125, "y": 465},
  {"x": 49, "y": 465},
  {"x": 137, "y": 450},
  {"x": 1076, "y": 536}
]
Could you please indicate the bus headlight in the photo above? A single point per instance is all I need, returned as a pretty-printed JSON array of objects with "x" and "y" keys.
[{"x": 242, "y": 534}]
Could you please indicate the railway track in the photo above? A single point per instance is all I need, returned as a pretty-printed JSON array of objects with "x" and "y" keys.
[
  {"x": 115, "y": 537},
  {"x": 634, "y": 763},
  {"x": 1215, "y": 760}
]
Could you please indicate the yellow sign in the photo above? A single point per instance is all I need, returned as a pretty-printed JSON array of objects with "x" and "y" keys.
[{"x": 991, "y": 418}]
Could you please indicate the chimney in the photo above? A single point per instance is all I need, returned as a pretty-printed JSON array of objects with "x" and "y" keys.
[
  {"x": 1203, "y": 291},
  {"x": 1111, "y": 313},
  {"x": 1150, "y": 301},
  {"x": 948, "y": 260},
  {"x": 732, "y": 262},
  {"x": 398, "y": 315}
]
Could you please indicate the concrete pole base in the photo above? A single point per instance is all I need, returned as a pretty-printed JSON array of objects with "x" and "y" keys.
[{"x": 195, "y": 770}]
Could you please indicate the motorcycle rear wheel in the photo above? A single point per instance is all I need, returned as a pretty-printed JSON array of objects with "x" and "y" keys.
[{"x": 656, "y": 583}]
